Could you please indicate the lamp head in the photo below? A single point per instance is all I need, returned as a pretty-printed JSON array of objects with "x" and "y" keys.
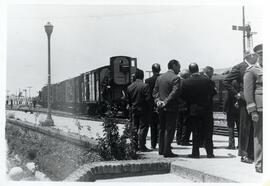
[{"x": 48, "y": 29}]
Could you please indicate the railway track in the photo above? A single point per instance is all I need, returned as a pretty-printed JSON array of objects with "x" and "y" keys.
[{"x": 220, "y": 124}]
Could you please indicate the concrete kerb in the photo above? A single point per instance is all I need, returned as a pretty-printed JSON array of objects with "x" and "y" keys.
[
  {"x": 114, "y": 169},
  {"x": 118, "y": 169},
  {"x": 72, "y": 138},
  {"x": 197, "y": 175}
]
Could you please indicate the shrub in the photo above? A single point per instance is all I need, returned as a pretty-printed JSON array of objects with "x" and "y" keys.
[{"x": 113, "y": 147}]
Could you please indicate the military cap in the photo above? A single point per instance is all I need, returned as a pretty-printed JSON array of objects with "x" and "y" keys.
[{"x": 258, "y": 49}]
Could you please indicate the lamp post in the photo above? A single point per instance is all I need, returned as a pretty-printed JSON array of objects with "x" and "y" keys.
[{"x": 49, "y": 122}]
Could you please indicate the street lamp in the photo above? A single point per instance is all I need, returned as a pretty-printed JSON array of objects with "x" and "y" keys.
[{"x": 49, "y": 122}]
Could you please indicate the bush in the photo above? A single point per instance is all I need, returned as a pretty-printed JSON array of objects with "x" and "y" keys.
[{"x": 113, "y": 147}]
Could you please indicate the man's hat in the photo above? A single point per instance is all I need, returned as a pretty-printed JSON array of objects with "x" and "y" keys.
[{"x": 258, "y": 49}]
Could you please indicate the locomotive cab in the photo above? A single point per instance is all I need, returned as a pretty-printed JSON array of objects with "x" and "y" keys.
[{"x": 123, "y": 69}]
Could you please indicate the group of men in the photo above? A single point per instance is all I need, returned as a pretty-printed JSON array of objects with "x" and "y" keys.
[
  {"x": 244, "y": 85},
  {"x": 162, "y": 97},
  {"x": 167, "y": 99}
]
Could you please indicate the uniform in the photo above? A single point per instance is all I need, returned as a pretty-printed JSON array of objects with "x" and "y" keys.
[
  {"x": 253, "y": 81},
  {"x": 139, "y": 98},
  {"x": 245, "y": 147},
  {"x": 198, "y": 91},
  {"x": 153, "y": 115},
  {"x": 166, "y": 89}
]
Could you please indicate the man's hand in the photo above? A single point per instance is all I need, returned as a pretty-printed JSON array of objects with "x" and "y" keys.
[
  {"x": 255, "y": 116},
  {"x": 238, "y": 96},
  {"x": 160, "y": 104}
]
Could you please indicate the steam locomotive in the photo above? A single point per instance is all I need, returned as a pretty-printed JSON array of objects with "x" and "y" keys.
[{"x": 91, "y": 92}]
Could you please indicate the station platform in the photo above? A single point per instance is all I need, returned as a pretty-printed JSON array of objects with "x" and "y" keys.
[{"x": 225, "y": 167}]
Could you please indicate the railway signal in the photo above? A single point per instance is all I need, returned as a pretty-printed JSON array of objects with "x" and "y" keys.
[{"x": 246, "y": 30}]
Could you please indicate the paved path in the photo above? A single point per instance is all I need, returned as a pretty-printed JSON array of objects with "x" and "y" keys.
[
  {"x": 157, "y": 178},
  {"x": 226, "y": 163}
]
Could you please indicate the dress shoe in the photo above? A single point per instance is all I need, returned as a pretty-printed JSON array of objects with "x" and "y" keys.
[
  {"x": 245, "y": 159},
  {"x": 171, "y": 155},
  {"x": 185, "y": 144},
  {"x": 210, "y": 155},
  {"x": 231, "y": 147},
  {"x": 193, "y": 156},
  {"x": 145, "y": 149}
]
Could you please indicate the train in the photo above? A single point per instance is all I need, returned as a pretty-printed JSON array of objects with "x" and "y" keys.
[{"x": 92, "y": 92}]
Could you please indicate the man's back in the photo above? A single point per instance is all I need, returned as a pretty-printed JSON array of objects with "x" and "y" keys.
[
  {"x": 198, "y": 89},
  {"x": 139, "y": 95},
  {"x": 237, "y": 73},
  {"x": 151, "y": 82},
  {"x": 167, "y": 89}
]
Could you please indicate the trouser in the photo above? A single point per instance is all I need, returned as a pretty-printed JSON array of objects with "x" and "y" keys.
[
  {"x": 258, "y": 142},
  {"x": 201, "y": 128},
  {"x": 183, "y": 130},
  {"x": 246, "y": 141},
  {"x": 166, "y": 131},
  {"x": 139, "y": 128},
  {"x": 154, "y": 125},
  {"x": 232, "y": 121}
]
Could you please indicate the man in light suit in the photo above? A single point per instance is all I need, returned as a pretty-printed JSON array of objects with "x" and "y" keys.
[
  {"x": 253, "y": 92},
  {"x": 165, "y": 95}
]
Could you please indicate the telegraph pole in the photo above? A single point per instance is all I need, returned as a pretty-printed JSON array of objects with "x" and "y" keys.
[{"x": 29, "y": 94}]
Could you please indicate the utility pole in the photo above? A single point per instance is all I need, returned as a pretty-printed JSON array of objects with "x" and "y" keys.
[{"x": 29, "y": 93}]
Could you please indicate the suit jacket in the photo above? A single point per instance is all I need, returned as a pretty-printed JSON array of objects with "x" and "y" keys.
[
  {"x": 166, "y": 89},
  {"x": 253, "y": 89},
  {"x": 198, "y": 92},
  {"x": 139, "y": 96},
  {"x": 237, "y": 73},
  {"x": 151, "y": 83}
]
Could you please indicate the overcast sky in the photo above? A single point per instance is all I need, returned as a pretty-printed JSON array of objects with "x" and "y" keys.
[{"x": 86, "y": 36}]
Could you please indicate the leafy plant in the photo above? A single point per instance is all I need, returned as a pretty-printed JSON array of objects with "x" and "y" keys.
[{"x": 113, "y": 147}]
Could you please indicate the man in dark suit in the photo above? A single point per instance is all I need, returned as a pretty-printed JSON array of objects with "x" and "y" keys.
[
  {"x": 208, "y": 72},
  {"x": 231, "y": 107},
  {"x": 245, "y": 147},
  {"x": 165, "y": 95},
  {"x": 198, "y": 90},
  {"x": 153, "y": 115},
  {"x": 139, "y": 98},
  {"x": 183, "y": 129}
]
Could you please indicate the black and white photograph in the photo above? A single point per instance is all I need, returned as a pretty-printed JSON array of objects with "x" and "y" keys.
[{"x": 134, "y": 92}]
